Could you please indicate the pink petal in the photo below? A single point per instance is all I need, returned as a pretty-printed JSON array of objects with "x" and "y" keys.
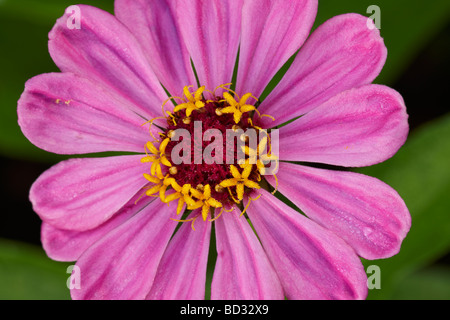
[
  {"x": 342, "y": 53},
  {"x": 365, "y": 212},
  {"x": 311, "y": 262},
  {"x": 81, "y": 194},
  {"x": 182, "y": 271},
  {"x": 122, "y": 265},
  {"x": 64, "y": 113},
  {"x": 242, "y": 270},
  {"x": 68, "y": 245},
  {"x": 104, "y": 51},
  {"x": 272, "y": 31},
  {"x": 210, "y": 29},
  {"x": 154, "y": 24},
  {"x": 358, "y": 127}
]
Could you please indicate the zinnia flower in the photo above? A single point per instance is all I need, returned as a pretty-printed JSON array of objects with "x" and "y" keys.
[{"x": 117, "y": 215}]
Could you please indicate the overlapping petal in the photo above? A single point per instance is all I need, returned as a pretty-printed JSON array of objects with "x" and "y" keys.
[
  {"x": 64, "y": 113},
  {"x": 68, "y": 245},
  {"x": 122, "y": 265},
  {"x": 358, "y": 127},
  {"x": 272, "y": 31},
  {"x": 365, "y": 212},
  {"x": 104, "y": 51},
  {"x": 311, "y": 262},
  {"x": 154, "y": 24},
  {"x": 81, "y": 194},
  {"x": 242, "y": 270},
  {"x": 342, "y": 53},
  {"x": 210, "y": 29},
  {"x": 181, "y": 273}
]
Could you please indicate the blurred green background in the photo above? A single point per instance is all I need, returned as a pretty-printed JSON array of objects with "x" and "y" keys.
[{"x": 417, "y": 35}]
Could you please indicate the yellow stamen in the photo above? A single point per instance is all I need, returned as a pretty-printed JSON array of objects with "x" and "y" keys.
[
  {"x": 186, "y": 120},
  {"x": 152, "y": 179},
  {"x": 250, "y": 199},
  {"x": 276, "y": 186},
  {"x": 222, "y": 86},
  {"x": 259, "y": 156},
  {"x": 217, "y": 217},
  {"x": 235, "y": 107},
  {"x": 188, "y": 220},
  {"x": 244, "y": 137},
  {"x": 170, "y": 134},
  {"x": 266, "y": 115},
  {"x": 173, "y": 170},
  {"x": 151, "y": 148},
  {"x": 181, "y": 193},
  {"x": 219, "y": 188},
  {"x": 163, "y": 181},
  {"x": 232, "y": 196},
  {"x": 172, "y": 117},
  {"x": 193, "y": 102},
  {"x": 151, "y": 124},
  {"x": 240, "y": 180},
  {"x": 205, "y": 200},
  {"x": 154, "y": 189},
  {"x": 165, "y": 102},
  {"x": 157, "y": 158}
]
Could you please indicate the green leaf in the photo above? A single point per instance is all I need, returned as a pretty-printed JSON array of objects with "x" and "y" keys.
[
  {"x": 26, "y": 273},
  {"x": 429, "y": 284},
  {"x": 45, "y": 12},
  {"x": 420, "y": 173}
]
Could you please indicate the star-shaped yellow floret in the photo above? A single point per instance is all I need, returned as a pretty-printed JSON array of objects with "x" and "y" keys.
[
  {"x": 157, "y": 157},
  {"x": 237, "y": 108},
  {"x": 160, "y": 185},
  {"x": 182, "y": 193},
  {"x": 260, "y": 156},
  {"x": 205, "y": 201},
  {"x": 193, "y": 101},
  {"x": 240, "y": 180}
]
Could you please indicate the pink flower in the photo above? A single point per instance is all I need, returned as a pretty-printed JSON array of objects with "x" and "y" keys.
[{"x": 111, "y": 213}]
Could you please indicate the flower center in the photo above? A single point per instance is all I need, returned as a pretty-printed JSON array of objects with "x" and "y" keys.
[{"x": 210, "y": 155}]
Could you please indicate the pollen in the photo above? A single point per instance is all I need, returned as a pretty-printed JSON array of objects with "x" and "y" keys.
[{"x": 204, "y": 173}]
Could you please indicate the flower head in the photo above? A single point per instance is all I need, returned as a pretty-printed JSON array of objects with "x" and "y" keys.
[{"x": 128, "y": 85}]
